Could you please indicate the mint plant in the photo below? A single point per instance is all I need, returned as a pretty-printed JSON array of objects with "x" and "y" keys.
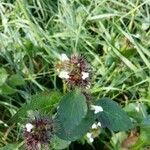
[
  {"x": 70, "y": 116},
  {"x": 38, "y": 133}
]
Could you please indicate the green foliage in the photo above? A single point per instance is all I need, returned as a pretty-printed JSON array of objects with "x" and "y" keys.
[
  {"x": 145, "y": 130},
  {"x": 3, "y": 76},
  {"x": 79, "y": 130},
  {"x": 43, "y": 102},
  {"x": 10, "y": 147},
  {"x": 59, "y": 144},
  {"x": 16, "y": 80},
  {"x": 71, "y": 115},
  {"x": 113, "y": 117},
  {"x": 6, "y": 89},
  {"x": 113, "y": 35},
  {"x": 137, "y": 111}
]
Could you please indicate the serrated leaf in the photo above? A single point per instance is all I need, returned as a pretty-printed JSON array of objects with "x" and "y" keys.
[
  {"x": 43, "y": 102},
  {"x": 79, "y": 130},
  {"x": 113, "y": 116},
  {"x": 72, "y": 110}
]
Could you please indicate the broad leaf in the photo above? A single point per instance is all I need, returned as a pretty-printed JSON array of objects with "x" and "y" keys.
[
  {"x": 43, "y": 102},
  {"x": 59, "y": 144},
  {"x": 79, "y": 130},
  {"x": 72, "y": 110},
  {"x": 113, "y": 116}
]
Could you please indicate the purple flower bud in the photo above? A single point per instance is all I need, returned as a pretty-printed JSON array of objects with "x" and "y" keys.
[
  {"x": 38, "y": 133},
  {"x": 75, "y": 71}
]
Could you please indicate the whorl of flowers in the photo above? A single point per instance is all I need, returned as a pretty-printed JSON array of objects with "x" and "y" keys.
[
  {"x": 38, "y": 133},
  {"x": 94, "y": 132},
  {"x": 74, "y": 70}
]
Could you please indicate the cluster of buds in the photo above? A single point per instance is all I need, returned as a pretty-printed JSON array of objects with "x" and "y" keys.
[
  {"x": 38, "y": 133},
  {"x": 74, "y": 70}
]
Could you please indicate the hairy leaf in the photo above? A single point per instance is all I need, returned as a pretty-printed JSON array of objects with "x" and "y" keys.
[
  {"x": 113, "y": 116},
  {"x": 71, "y": 116},
  {"x": 43, "y": 102}
]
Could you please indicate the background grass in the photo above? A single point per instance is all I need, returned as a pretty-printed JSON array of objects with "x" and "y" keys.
[{"x": 114, "y": 35}]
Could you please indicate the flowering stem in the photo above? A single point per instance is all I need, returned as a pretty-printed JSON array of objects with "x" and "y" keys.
[{"x": 64, "y": 87}]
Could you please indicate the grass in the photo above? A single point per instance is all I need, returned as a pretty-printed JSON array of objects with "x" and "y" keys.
[{"x": 114, "y": 35}]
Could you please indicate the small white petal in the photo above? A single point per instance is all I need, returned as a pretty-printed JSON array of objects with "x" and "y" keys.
[
  {"x": 64, "y": 57},
  {"x": 94, "y": 126},
  {"x": 29, "y": 127},
  {"x": 99, "y": 124},
  {"x": 96, "y": 109},
  {"x": 85, "y": 75},
  {"x": 91, "y": 140},
  {"x": 64, "y": 75},
  {"x": 89, "y": 136}
]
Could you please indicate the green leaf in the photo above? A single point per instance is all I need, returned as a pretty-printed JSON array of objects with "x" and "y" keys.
[
  {"x": 3, "y": 76},
  {"x": 71, "y": 113},
  {"x": 113, "y": 117},
  {"x": 9, "y": 147},
  {"x": 59, "y": 144},
  {"x": 136, "y": 110},
  {"x": 144, "y": 137},
  {"x": 6, "y": 89},
  {"x": 145, "y": 130},
  {"x": 16, "y": 80},
  {"x": 43, "y": 102},
  {"x": 79, "y": 130}
]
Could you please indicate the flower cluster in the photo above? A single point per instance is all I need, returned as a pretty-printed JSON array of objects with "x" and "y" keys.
[
  {"x": 38, "y": 133},
  {"x": 94, "y": 132},
  {"x": 74, "y": 70}
]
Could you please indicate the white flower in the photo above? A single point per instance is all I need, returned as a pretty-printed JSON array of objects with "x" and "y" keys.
[
  {"x": 96, "y": 125},
  {"x": 64, "y": 57},
  {"x": 99, "y": 124},
  {"x": 96, "y": 109},
  {"x": 29, "y": 127},
  {"x": 64, "y": 74},
  {"x": 85, "y": 75},
  {"x": 89, "y": 136}
]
